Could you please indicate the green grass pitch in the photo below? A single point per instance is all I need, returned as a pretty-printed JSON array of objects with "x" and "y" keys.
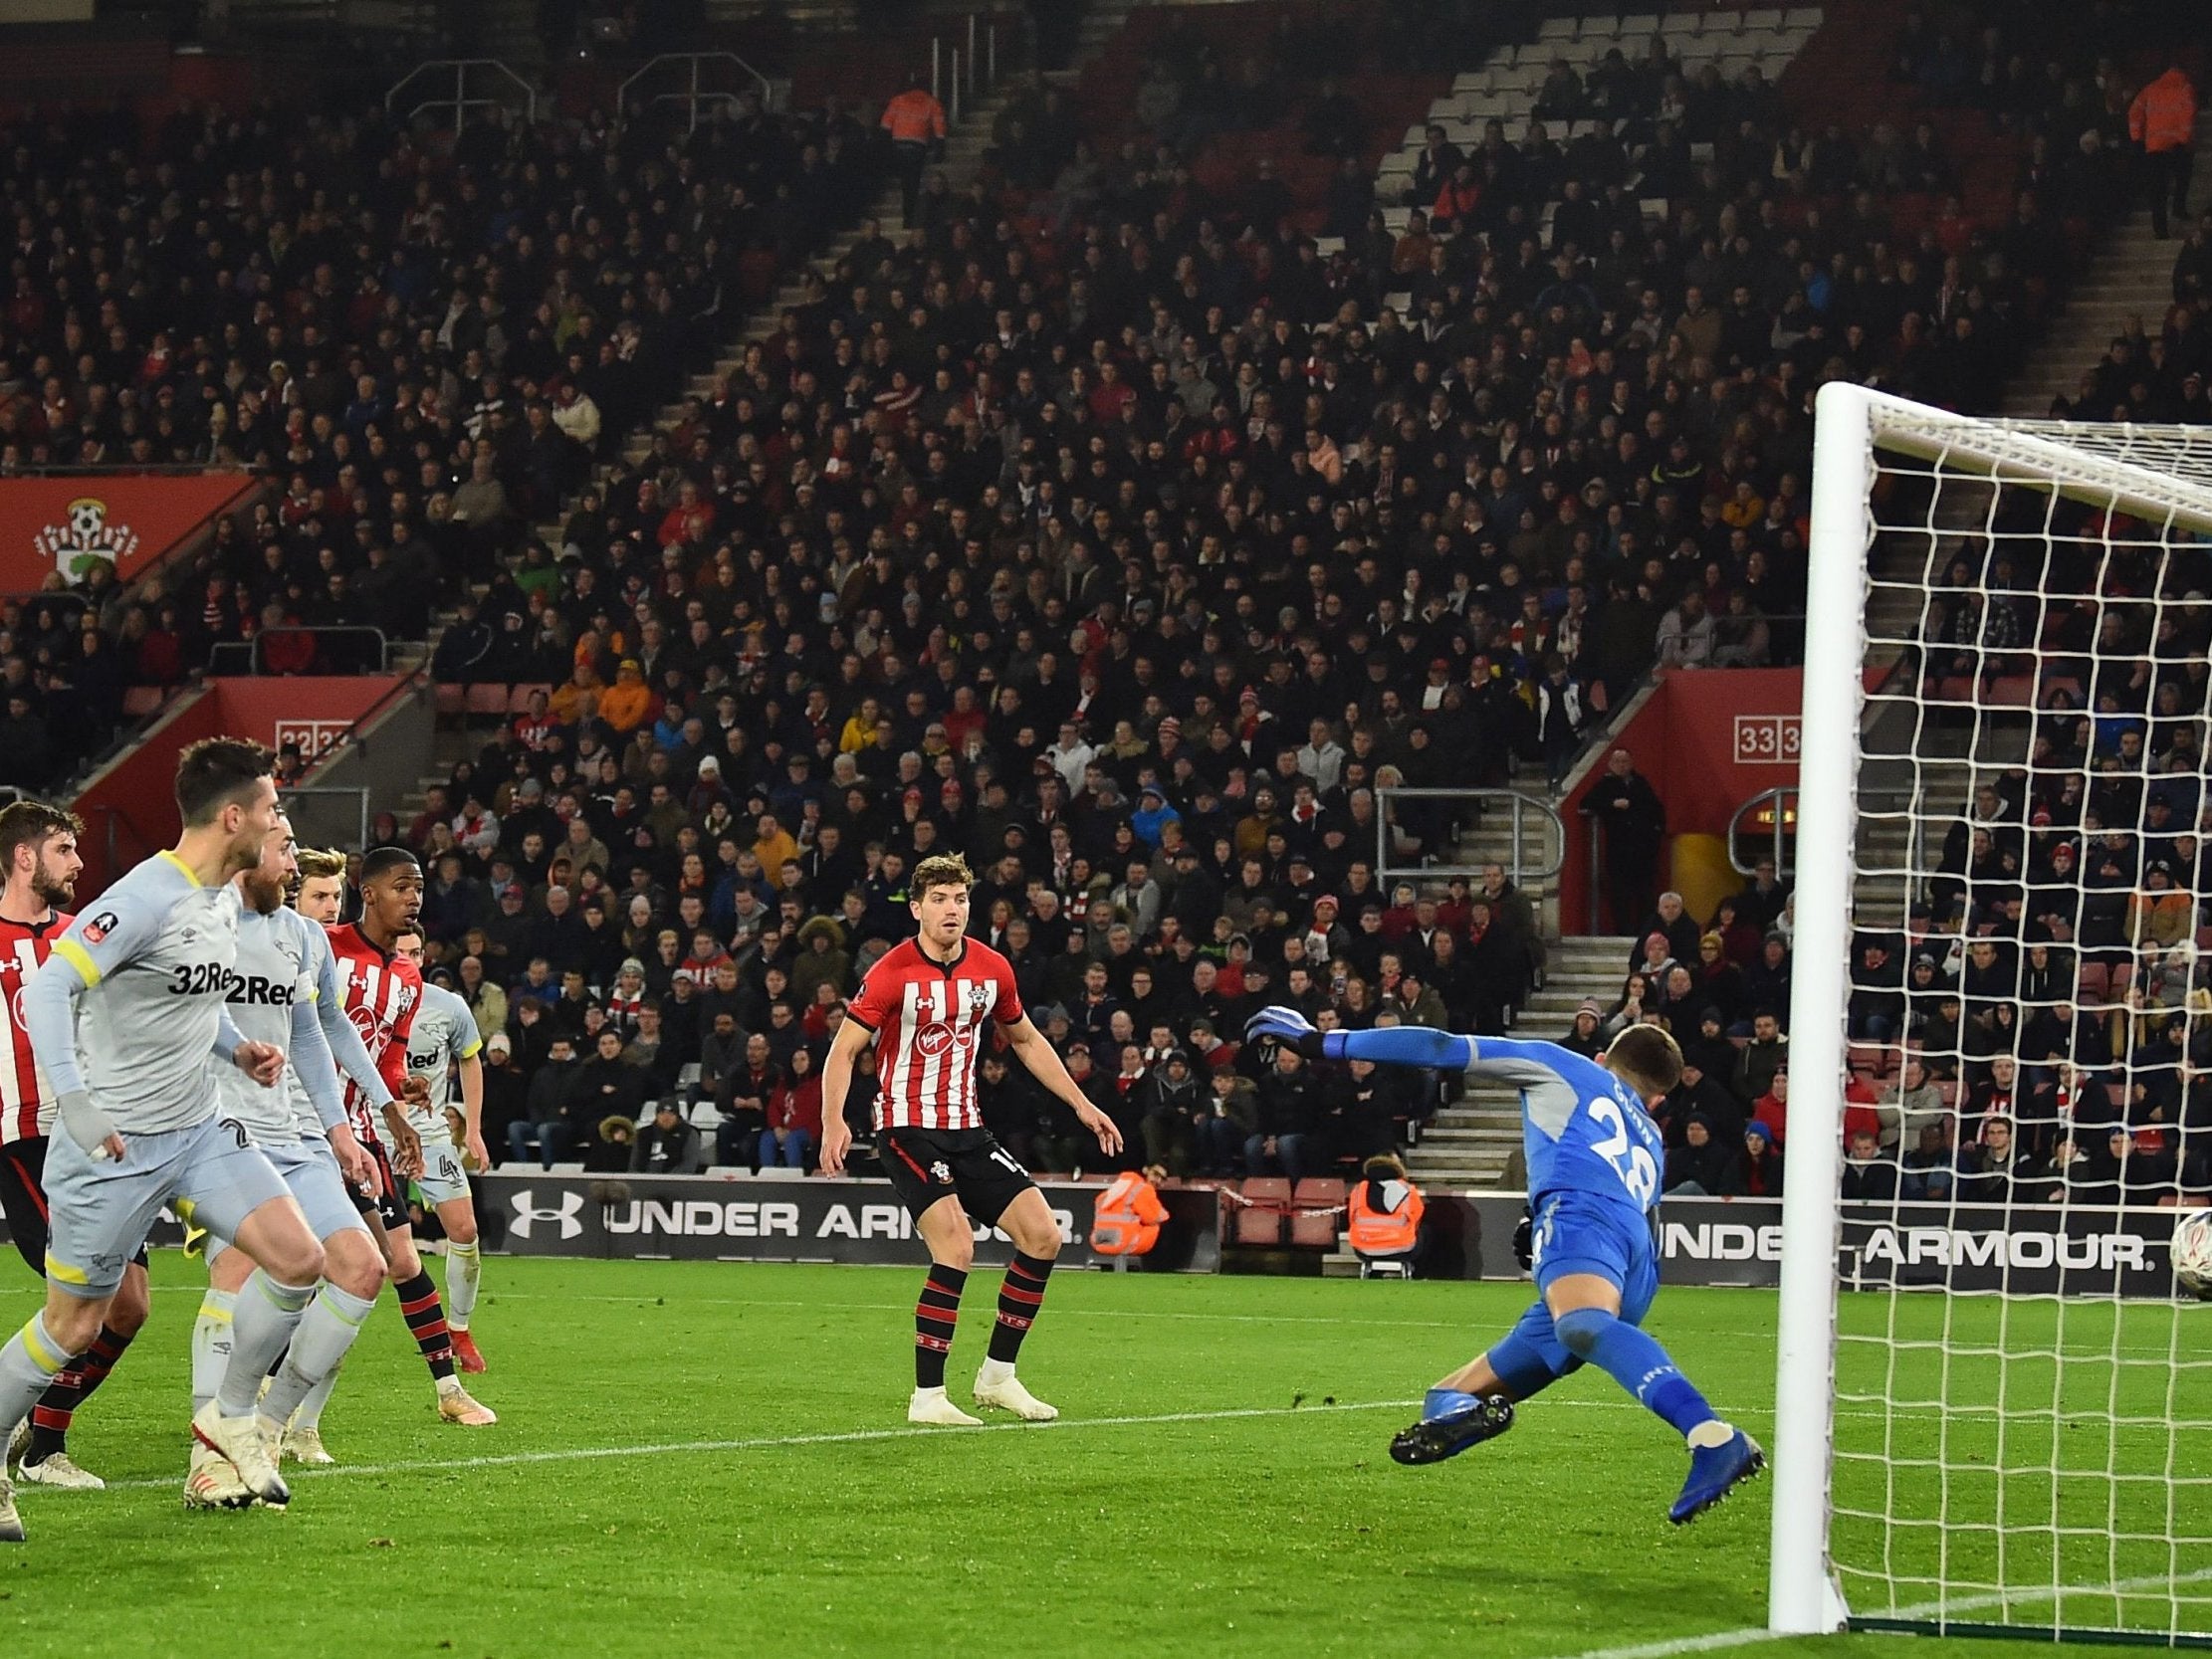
[{"x": 714, "y": 1458}]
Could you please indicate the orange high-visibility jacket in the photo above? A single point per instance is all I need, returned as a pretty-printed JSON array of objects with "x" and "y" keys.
[
  {"x": 1126, "y": 1219},
  {"x": 1391, "y": 1230},
  {"x": 914, "y": 118},
  {"x": 2164, "y": 114}
]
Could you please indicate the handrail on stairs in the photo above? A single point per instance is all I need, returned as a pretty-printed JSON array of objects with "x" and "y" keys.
[
  {"x": 693, "y": 96},
  {"x": 460, "y": 102},
  {"x": 1525, "y": 809},
  {"x": 1774, "y": 817}
]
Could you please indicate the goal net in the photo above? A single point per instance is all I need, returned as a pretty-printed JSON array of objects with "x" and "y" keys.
[{"x": 1994, "y": 1404}]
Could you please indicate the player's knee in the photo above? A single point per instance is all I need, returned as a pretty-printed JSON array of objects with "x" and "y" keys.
[
  {"x": 957, "y": 1253},
  {"x": 1581, "y": 1329},
  {"x": 74, "y": 1322},
  {"x": 299, "y": 1263},
  {"x": 460, "y": 1230},
  {"x": 354, "y": 1269},
  {"x": 1040, "y": 1243}
]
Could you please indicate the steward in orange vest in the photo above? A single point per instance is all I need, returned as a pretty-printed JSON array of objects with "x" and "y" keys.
[
  {"x": 1126, "y": 1219},
  {"x": 2163, "y": 120},
  {"x": 1385, "y": 1210}
]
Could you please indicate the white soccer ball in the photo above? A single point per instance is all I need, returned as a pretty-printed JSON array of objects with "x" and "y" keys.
[{"x": 2192, "y": 1254}]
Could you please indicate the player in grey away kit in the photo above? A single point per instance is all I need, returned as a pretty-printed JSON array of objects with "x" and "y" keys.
[
  {"x": 147, "y": 965},
  {"x": 275, "y": 997},
  {"x": 443, "y": 1042}
]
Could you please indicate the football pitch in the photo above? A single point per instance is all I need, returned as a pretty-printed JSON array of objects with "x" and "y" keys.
[{"x": 709, "y": 1457}]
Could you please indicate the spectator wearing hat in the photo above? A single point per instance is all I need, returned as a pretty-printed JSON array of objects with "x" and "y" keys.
[
  {"x": 1170, "y": 1102},
  {"x": 667, "y": 1145},
  {"x": 626, "y": 995},
  {"x": 822, "y": 959},
  {"x": 2158, "y": 913},
  {"x": 1762, "y": 1162},
  {"x": 1583, "y": 1037},
  {"x": 506, "y": 1092}
]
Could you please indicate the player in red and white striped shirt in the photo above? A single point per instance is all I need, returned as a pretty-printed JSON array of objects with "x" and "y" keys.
[
  {"x": 382, "y": 990},
  {"x": 39, "y": 865},
  {"x": 930, "y": 1006}
]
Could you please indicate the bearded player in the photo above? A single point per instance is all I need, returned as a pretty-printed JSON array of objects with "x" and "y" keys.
[
  {"x": 38, "y": 852},
  {"x": 383, "y": 991},
  {"x": 443, "y": 1046},
  {"x": 929, "y": 1006}
]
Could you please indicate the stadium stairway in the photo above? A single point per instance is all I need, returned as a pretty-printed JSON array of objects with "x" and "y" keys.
[
  {"x": 966, "y": 141},
  {"x": 2128, "y": 292},
  {"x": 1469, "y": 1143}
]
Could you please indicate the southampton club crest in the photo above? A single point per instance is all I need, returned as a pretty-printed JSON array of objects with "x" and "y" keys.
[{"x": 85, "y": 539}]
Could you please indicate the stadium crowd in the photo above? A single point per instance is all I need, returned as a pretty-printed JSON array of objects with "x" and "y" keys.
[
  {"x": 1096, "y": 525},
  {"x": 424, "y": 343}
]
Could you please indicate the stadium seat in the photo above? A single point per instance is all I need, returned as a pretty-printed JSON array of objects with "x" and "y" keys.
[
  {"x": 140, "y": 700},
  {"x": 453, "y": 699},
  {"x": 1317, "y": 1212},
  {"x": 518, "y": 700},
  {"x": 1257, "y": 1219},
  {"x": 487, "y": 700}
]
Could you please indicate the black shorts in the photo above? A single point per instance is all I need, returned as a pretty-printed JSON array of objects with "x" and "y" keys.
[
  {"x": 927, "y": 1166},
  {"x": 389, "y": 1202},
  {"x": 23, "y": 1200}
]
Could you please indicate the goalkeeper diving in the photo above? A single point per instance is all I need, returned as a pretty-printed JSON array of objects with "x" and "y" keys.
[{"x": 1594, "y": 1159}]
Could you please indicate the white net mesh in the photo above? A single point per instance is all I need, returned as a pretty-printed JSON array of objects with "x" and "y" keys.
[{"x": 2023, "y": 1431}]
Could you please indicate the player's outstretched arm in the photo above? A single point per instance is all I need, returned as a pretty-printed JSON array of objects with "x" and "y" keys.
[
  {"x": 49, "y": 1020},
  {"x": 1044, "y": 1064},
  {"x": 1397, "y": 1045},
  {"x": 845, "y": 1048}
]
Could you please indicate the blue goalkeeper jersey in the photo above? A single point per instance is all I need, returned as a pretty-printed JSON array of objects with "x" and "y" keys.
[{"x": 1583, "y": 1129}]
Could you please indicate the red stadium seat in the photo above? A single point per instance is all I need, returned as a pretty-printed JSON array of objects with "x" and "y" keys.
[
  {"x": 453, "y": 699},
  {"x": 487, "y": 700},
  {"x": 1317, "y": 1212},
  {"x": 518, "y": 700},
  {"x": 2091, "y": 987},
  {"x": 142, "y": 701},
  {"x": 1259, "y": 1217}
]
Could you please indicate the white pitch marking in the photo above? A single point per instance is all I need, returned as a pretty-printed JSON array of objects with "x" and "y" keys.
[{"x": 847, "y": 1437}]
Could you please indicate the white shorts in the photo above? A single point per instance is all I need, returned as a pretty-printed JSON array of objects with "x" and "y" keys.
[
  {"x": 309, "y": 1168},
  {"x": 443, "y": 1179},
  {"x": 211, "y": 1174}
]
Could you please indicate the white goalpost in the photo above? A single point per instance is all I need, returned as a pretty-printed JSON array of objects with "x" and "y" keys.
[{"x": 1994, "y": 1407}]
